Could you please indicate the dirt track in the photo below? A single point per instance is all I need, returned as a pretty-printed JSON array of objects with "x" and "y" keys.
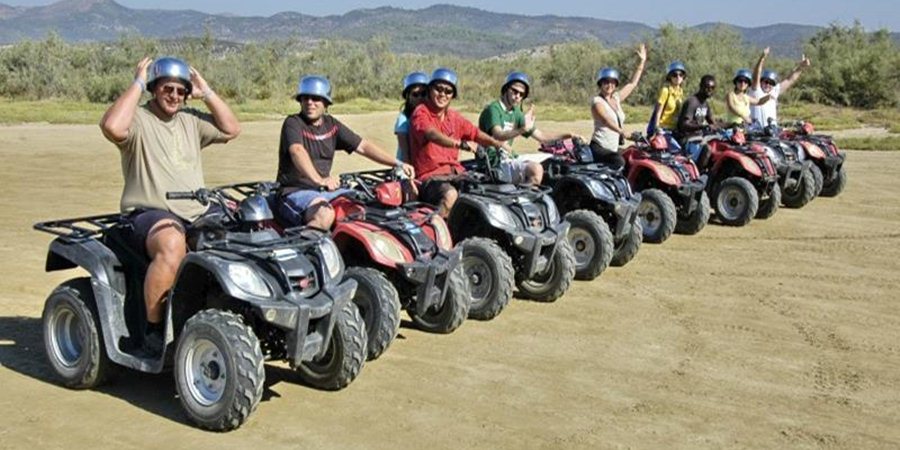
[{"x": 780, "y": 334}]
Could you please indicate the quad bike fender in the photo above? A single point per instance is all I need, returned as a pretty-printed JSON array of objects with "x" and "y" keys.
[
  {"x": 432, "y": 277},
  {"x": 467, "y": 206},
  {"x": 812, "y": 150},
  {"x": 744, "y": 161},
  {"x": 383, "y": 248},
  {"x": 657, "y": 170}
]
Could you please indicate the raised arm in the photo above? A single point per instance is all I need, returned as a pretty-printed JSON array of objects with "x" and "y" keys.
[
  {"x": 757, "y": 70},
  {"x": 225, "y": 119},
  {"x": 118, "y": 118},
  {"x": 795, "y": 74},
  {"x": 636, "y": 76}
]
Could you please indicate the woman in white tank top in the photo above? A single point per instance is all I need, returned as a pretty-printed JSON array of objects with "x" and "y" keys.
[{"x": 606, "y": 109}]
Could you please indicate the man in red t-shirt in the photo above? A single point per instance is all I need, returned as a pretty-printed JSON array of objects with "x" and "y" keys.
[{"x": 436, "y": 135}]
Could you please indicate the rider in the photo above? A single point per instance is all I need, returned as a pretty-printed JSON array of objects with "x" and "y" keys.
[
  {"x": 695, "y": 115},
  {"x": 738, "y": 103},
  {"x": 503, "y": 120},
  {"x": 306, "y": 153},
  {"x": 436, "y": 135},
  {"x": 766, "y": 82},
  {"x": 606, "y": 109},
  {"x": 160, "y": 144},
  {"x": 415, "y": 89},
  {"x": 669, "y": 101}
]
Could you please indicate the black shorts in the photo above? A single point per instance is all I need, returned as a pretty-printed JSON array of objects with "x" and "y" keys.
[
  {"x": 434, "y": 189},
  {"x": 143, "y": 220}
]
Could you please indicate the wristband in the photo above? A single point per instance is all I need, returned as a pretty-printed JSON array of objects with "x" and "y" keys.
[
  {"x": 141, "y": 84},
  {"x": 208, "y": 92}
]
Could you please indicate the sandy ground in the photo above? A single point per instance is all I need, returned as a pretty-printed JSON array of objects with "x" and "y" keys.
[{"x": 780, "y": 334}]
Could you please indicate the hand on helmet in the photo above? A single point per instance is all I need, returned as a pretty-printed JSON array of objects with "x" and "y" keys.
[
  {"x": 201, "y": 88},
  {"x": 140, "y": 72}
]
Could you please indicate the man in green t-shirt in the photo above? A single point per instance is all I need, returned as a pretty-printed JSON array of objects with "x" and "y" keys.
[{"x": 503, "y": 119}]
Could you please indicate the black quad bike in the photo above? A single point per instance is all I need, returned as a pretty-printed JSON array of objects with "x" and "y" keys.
[
  {"x": 820, "y": 149},
  {"x": 795, "y": 178},
  {"x": 598, "y": 202},
  {"x": 508, "y": 233},
  {"x": 383, "y": 235},
  {"x": 242, "y": 295}
]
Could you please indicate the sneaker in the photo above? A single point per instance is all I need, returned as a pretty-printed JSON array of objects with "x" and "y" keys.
[{"x": 152, "y": 346}]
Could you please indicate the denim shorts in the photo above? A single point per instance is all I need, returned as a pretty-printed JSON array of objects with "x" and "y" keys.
[{"x": 292, "y": 206}]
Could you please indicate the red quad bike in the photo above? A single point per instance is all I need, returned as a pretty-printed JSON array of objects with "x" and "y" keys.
[
  {"x": 742, "y": 183},
  {"x": 828, "y": 161},
  {"x": 382, "y": 236},
  {"x": 598, "y": 202},
  {"x": 673, "y": 193}
]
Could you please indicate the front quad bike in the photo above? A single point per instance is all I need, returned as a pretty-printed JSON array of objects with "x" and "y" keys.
[
  {"x": 599, "y": 203},
  {"x": 795, "y": 178},
  {"x": 673, "y": 191},
  {"x": 506, "y": 229},
  {"x": 241, "y": 295},
  {"x": 408, "y": 243},
  {"x": 742, "y": 183},
  {"x": 822, "y": 151}
]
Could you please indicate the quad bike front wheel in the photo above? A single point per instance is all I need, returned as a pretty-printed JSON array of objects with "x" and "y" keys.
[
  {"x": 834, "y": 186},
  {"x": 627, "y": 247},
  {"x": 344, "y": 357},
  {"x": 489, "y": 276},
  {"x": 803, "y": 193},
  {"x": 698, "y": 218},
  {"x": 551, "y": 283},
  {"x": 591, "y": 242},
  {"x": 73, "y": 340},
  {"x": 769, "y": 206},
  {"x": 736, "y": 202},
  {"x": 452, "y": 311},
  {"x": 219, "y": 371},
  {"x": 657, "y": 214},
  {"x": 379, "y": 305}
]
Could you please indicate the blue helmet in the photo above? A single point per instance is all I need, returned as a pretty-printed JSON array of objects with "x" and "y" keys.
[
  {"x": 414, "y": 79},
  {"x": 517, "y": 77},
  {"x": 314, "y": 85},
  {"x": 445, "y": 75},
  {"x": 743, "y": 73},
  {"x": 770, "y": 75},
  {"x": 676, "y": 66},
  {"x": 169, "y": 67},
  {"x": 607, "y": 73}
]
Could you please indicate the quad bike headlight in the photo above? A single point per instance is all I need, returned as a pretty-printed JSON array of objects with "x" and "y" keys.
[
  {"x": 331, "y": 257},
  {"x": 442, "y": 233},
  {"x": 552, "y": 210},
  {"x": 600, "y": 190},
  {"x": 248, "y": 280},
  {"x": 386, "y": 247},
  {"x": 501, "y": 217}
]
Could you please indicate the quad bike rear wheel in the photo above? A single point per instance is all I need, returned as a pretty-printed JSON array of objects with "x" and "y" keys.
[
  {"x": 219, "y": 373},
  {"x": 73, "y": 340},
  {"x": 657, "y": 214},
  {"x": 554, "y": 281},
  {"x": 736, "y": 202},
  {"x": 452, "y": 311},
  {"x": 591, "y": 242},
  {"x": 628, "y": 247},
  {"x": 489, "y": 277},
  {"x": 344, "y": 357},
  {"x": 769, "y": 206},
  {"x": 379, "y": 305},
  {"x": 803, "y": 193},
  {"x": 834, "y": 186},
  {"x": 697, "y": 220}
]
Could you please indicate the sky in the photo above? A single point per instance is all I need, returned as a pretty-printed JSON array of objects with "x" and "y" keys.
[{"x": 872, "y": 14}]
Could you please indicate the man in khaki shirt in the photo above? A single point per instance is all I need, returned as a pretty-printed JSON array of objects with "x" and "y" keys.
[{"x": 160, "y": 144}]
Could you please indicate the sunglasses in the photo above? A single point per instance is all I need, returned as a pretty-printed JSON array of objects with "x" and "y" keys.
[
  {"x": 709, "y": 88},
  {"x": 168, "y": 89},
  {"x": 517, "y": 92},
  {"x": 420, "y": 93},
  {"x": 678, "y": 74},
  {"x": 445, "y": 90},
  {"x": 769, "y": 82},
  {"x": 742, "y": 81},
  {"x": 314, "y": 98}
]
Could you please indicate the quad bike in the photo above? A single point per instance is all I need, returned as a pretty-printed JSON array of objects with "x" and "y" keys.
[
  {"x": 828, "y": 161},
  {"x": 673, "y": 193},
  {"x": 508, "y": 233},
  {"x": 383, "y": 236},
  {"x": 795, "y": 178},
  {"x": 598, "y": 203},
  {"x": 243, "y": 294},
  {"x": 742, "y": 182}
]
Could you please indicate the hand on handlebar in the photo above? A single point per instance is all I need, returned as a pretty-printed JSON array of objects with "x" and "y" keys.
[{"x": 330, "y": 183}]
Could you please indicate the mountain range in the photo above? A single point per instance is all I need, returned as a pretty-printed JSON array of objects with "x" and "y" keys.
[{"x": 439, "y": 29}]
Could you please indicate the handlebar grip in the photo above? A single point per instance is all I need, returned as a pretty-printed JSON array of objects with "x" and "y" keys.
[{"x": 180, "y": 195}]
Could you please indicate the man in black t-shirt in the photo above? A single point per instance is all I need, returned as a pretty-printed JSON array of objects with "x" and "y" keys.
[
  {"x": 695, "y": 115},
  {"x": 306, "y": 153}
]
